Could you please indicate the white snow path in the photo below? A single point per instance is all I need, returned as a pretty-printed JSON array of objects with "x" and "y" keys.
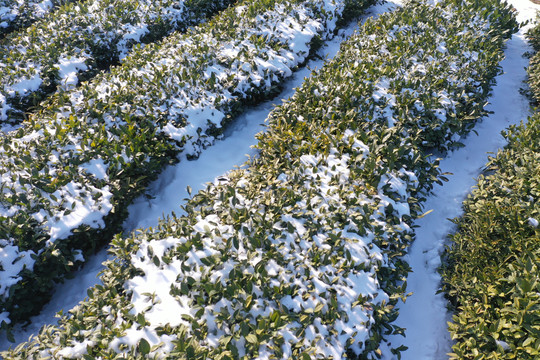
[
  {"x": 424, "y": 314},
  {"x": 169, "y": 191}
]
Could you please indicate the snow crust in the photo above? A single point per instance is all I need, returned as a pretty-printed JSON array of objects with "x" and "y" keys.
[
  {"x": 85, "y": 210},
  {"x": 26, "y": 85},
  {"x": 96, "y": 167},
  {"x": 13, "y": 261},
  {"x": 68, "y": 69}
]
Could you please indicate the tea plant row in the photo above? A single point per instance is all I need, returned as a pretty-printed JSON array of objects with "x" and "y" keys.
[
  {"x": 491, "y": 269},
  {"x": 80, "y": 39},
  {"x": 16, "y": 14},
  {"x": 299, "y": 254},
  {"x": 70, "y": 172}
]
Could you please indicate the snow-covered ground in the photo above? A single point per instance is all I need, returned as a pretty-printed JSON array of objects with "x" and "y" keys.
[{"x": 424, "y": 314}]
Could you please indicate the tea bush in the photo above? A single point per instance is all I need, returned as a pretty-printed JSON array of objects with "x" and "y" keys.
[
  {"x": 491, "y": 268},
  {"x": 81, "y": 38},
  {"x": 299, "y": 254},
  {"x": 15, "y": 15},
  {"x": 490, "y": 273},
  {"x": 533, "y": 71},
  {"x": 69, "y": 173}
]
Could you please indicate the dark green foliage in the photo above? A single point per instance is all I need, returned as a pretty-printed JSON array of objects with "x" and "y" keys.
[{"x": 491, "y": 271}]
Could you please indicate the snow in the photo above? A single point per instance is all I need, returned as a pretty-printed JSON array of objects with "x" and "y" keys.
[
  {"x": 156, "y": 281},
  {"x": 78, "y": 350},
  {"x": 13, "y": 261},
  {"x": 96, "y": 167},
  {"x": 25, "y": 85},
  {"x": 381, "y": 95},
  {"x": 43, "y": 7},
  {"x": 68, "y": 69},
  {"x": 424, "y": 313},
  {"x": 3, "y": 108},
  {"x": 84, "y": 210}
]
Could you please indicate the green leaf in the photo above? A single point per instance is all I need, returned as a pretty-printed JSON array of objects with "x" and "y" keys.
[
  {"x": 252, "y": 339},
  {"x": 144, "y": 347},
  {"x": 249, "y": 300}
]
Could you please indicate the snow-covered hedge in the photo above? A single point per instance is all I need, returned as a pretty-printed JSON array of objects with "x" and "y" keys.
[
  {"x": 82, "y": 38},
  {"x": 70, "y": 172},
  {"x": 491, "y": 269},
  {"x": 17, "y": 14},
  {"x": 298, "y": 255}
]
